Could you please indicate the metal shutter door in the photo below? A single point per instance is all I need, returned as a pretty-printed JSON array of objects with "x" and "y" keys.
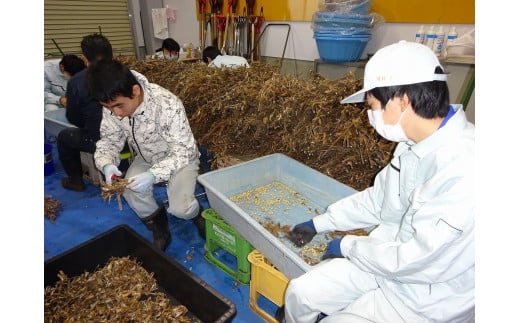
[{"x": 67, "y": 21}]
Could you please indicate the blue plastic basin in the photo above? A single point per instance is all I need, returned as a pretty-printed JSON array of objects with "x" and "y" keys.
[{"x": 340, "y": 49}]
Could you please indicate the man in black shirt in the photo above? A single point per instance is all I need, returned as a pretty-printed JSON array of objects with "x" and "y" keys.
[{"x": 84, "y": 112}]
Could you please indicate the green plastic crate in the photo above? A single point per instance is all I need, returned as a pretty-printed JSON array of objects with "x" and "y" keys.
[{"x": 219, "y": 234}]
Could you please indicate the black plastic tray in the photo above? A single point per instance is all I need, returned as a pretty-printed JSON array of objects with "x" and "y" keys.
[{"x": 181, "y": 285}]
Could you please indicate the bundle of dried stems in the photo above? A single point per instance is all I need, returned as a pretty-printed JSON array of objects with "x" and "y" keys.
[
  {"x": 116, "y": 188},
  {"x": 52, "y": 208},
  {"x": 257, "y": 111}
]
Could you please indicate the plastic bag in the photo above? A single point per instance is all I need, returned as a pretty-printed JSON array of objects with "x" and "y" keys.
[
  {"x": 350, "y": 23},
  {"x": 462, "y": 45},
  {"x": 361, "y": 7}
]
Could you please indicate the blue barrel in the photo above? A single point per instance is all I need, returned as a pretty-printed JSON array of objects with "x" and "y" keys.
[{"x": 48, "y": 166}]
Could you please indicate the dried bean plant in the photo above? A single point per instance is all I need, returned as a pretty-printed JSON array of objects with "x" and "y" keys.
[
  {"x": 52, "y": 208},
  {"x": 121, "y": 291},
  {"x": 258, "y": 111},
  {"x": 117, "y": 188}
]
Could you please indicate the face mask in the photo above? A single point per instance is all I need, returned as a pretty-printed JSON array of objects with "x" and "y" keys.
[
  {"x": 390, "y": 132},
  {"x": 174, "y": 57}
]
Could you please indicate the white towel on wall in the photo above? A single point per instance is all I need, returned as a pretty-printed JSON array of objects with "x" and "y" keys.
[{"x": 160, "y": 24}]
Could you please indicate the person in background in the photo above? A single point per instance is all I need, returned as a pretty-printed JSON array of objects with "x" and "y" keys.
[
  {"x": 418, "y": 264},
  {"x": 56, "y": 74},
  {"x": 84, "y": 112},
  {"x": 154, "y": 122},
  {"x": 212, "y": 56},
  {"x": 169, "y": 50}
]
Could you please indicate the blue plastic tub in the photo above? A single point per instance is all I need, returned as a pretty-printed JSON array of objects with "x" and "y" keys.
[
  {"x": 341, "y": 34},
  {"x": 340, "y": 49},
  {"x": 339, "y": 20},
  {"x": 352, "y": 31}
]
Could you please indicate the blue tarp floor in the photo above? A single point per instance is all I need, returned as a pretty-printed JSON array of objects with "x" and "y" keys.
[{"x": 85, "y": 215}]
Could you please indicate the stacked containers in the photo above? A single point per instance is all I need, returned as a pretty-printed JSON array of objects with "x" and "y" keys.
[{"x": 342, "y": 29}]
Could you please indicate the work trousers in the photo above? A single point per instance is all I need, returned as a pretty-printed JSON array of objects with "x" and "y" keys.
[
  {"x": 180, "y": 189},
  {"x": 51, "y": 107},
  {"x": 70, "y": 142},
  {"x": 340, "y": 290}
]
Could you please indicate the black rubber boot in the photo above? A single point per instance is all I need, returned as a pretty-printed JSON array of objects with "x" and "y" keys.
[
  {"x": 74, "y": 181},
  {"x": 200, "y": 223},
  {"x": 157, "y": 222},
  {"x": 280, "y": 314}
]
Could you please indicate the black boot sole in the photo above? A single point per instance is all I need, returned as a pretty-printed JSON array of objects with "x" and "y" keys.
[
  {"x": 162, "y": 243},
  {"x": 200, "y": 223},
  {"x": 68, "y": 184}
]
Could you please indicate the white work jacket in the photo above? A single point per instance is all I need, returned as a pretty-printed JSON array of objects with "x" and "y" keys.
[
  {"x": 422, "y": 251},
  {"x": 228, "y": 61},
  {"x": 55, "y": 83},
  {"x": 158, "y": 131}
]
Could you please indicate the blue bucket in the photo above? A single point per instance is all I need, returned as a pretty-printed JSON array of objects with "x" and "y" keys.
[
  {"x": 48, "y": 166},
  {"x": 340, "y": 49}
]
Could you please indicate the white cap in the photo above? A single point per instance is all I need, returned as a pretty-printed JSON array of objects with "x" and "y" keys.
[{"x": 398, "y": 64}]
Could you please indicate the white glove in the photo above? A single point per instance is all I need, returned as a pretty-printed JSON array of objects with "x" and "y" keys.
[
  {"x": 110, "y": 170},
  {"x": 142, "y": 182}
]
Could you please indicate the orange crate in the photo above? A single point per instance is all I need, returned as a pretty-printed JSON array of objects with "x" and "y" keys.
[{"x": 267, "y": 281}]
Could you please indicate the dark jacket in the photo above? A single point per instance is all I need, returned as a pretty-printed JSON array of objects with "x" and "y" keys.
[{"x": 83, "y": 111}]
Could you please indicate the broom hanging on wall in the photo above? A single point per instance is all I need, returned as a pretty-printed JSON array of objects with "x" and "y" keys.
[
  {"x": 225, "y": 47},
  {"x": 202, "y": 24}
]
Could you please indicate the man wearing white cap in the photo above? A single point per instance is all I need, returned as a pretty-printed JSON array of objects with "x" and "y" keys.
[{"x": 418, "y": 264}]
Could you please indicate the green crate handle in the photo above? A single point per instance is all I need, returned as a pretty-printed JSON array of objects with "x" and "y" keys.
[{"x": 219, "y": 234}]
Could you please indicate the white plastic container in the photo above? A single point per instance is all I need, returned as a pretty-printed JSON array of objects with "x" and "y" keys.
[
  {"x": 315, "y": 191},
  {"x": 452, "y": 35},
  {"x": 55, "y": 121},
  {"x": 420, "y": 35},
  {"x": 430, "y": 37},
  {"x": 182, "y": 54},
  {"x": 439, "y": 41}
]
